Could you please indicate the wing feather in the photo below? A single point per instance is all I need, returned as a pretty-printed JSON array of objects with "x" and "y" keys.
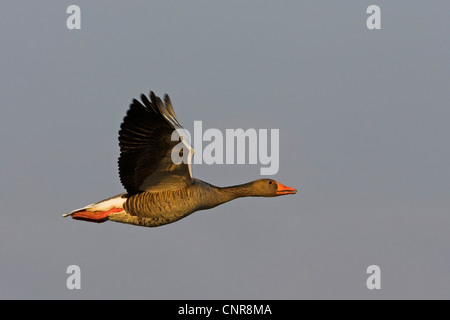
[{"x": 145, "y": 162}]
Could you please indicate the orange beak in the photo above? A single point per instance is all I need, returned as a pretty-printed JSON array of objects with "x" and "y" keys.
[{"x": 282, "y": 189}]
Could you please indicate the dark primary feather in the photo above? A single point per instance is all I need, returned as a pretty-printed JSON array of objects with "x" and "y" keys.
[{"x": 145, "y": 147}]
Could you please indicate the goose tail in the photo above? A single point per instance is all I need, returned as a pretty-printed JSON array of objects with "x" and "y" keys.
[{"x": 99, "y": 211}]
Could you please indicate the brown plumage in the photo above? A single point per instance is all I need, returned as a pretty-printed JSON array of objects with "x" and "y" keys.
[{"x": 159, "y": 191}]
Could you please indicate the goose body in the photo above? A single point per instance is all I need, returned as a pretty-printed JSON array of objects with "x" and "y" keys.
[{"x": 158, "y": 190}]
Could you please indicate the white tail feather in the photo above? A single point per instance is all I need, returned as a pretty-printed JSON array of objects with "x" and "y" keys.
[{"x": 104, "y": 205}]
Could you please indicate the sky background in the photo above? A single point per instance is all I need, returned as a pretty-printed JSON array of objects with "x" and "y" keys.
[{"x": 364, "y": 135}]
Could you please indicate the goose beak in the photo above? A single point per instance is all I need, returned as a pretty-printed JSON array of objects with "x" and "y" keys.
[{"x": 282, "y": 189}]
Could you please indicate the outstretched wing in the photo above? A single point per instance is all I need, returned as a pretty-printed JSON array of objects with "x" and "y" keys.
[{"x": 145, "y": 162}]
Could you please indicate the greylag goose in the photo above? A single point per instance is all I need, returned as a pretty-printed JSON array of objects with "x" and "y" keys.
[{"x": 158, "y": 191}]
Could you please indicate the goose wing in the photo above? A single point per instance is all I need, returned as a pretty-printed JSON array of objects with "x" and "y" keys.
[{"x": 145, "y": 140}]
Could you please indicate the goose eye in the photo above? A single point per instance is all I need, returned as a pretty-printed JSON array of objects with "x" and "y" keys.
[{"x": 270, "y": 182}]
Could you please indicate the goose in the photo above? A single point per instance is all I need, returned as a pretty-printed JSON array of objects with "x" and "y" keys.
[{"x": 159, "y": 191}]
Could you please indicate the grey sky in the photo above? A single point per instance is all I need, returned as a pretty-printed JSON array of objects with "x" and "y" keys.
[{"x": 364, "y": 135}]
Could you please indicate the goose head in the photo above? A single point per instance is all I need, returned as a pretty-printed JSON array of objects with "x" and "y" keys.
[{"x": 270, "y": 188}]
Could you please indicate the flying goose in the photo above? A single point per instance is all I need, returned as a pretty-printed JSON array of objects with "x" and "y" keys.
[{"x": 158, "y": 191}]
